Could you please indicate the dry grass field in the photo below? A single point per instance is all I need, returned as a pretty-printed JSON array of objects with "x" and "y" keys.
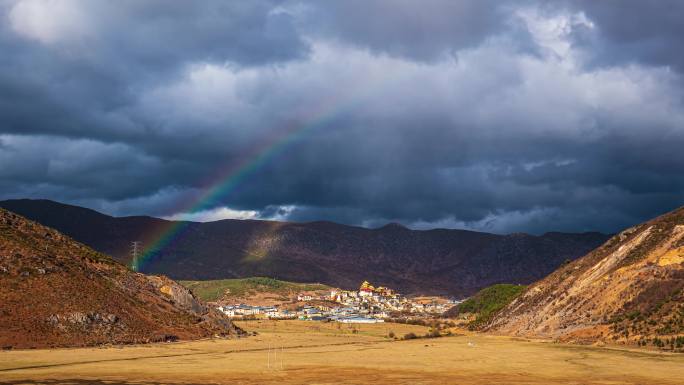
[{"x": 319, "y": 353}]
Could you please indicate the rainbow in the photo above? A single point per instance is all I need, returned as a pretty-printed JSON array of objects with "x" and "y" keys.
[{"x": 226, "y": 180}]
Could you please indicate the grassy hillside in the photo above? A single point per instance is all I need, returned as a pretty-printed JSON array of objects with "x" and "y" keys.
[
  {"x": 488, "y": 301},
  {"x": 242, "y": 287}
]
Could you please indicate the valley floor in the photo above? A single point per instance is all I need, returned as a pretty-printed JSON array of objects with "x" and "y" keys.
[{"x": 300, "y": 352}]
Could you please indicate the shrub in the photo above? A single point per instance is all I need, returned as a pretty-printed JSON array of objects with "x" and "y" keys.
[
  {"x": 410, "y": 336},
  {"x": 434, "y": 333}
]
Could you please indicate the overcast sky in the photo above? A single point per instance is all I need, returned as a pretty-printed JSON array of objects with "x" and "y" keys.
[{"x": 501, "y": 116}]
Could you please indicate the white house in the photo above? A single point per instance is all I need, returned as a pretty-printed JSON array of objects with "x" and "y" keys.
[{"x": 227, "y": 310}]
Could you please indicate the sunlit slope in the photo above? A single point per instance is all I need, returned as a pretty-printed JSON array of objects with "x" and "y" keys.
[{"x": 627, "y": 290}]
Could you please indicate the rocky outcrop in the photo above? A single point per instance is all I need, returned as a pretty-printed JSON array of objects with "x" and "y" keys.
[{"x": 178, "y": 294}]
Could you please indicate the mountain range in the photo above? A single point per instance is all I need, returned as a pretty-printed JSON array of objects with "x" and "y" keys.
[
  {"x": 440, "y": 261},
  {"x": 56, "y": 292}
]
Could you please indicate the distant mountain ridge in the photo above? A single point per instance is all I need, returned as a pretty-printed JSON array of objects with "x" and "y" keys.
[{"x": 440, "y": 261}]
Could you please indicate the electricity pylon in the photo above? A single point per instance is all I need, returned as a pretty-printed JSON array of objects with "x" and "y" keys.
[{"x": 135, "y": 253}]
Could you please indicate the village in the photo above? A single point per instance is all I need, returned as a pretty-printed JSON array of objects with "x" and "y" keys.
[{"x": 369, "y": 304}]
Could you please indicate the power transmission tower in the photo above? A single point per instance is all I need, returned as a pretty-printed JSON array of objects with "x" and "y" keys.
[{"x": 135, "y": 253}]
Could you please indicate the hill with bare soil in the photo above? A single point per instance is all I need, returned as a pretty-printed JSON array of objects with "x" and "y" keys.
[
  {"x": 440, "y": 261},
  {"x": 629, "y": 290},
  {"x": 57, "y": 292}
]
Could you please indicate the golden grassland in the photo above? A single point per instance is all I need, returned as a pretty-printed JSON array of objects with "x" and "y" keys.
[{"x": 301, "y": 352}]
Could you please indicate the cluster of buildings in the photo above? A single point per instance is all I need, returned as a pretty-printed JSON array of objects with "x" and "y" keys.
[
  {"x": 243, "y": 310},
  {"x": 382, "y": 300},
  {"x": 369, "y": 304}
]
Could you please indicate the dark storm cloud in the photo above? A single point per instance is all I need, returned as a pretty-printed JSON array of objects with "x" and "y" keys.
[
  {"x": 648, "y": 32},
  {"x": 78, "y": 65},
  {"x": 502, "y": 116},
  {"x": 421, "y": 30}
]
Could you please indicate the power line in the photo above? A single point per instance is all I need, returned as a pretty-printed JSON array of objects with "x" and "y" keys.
[{"x": 273, "y": 364}]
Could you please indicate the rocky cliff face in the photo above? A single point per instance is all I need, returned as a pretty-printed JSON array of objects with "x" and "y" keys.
[
  {"x": 453, "y": 262},
  {"x": 628, "y": 290},
  {"x": 57, "y": 292}
]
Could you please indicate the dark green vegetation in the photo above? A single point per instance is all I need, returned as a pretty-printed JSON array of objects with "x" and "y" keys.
[
  {"x": 242, "y": 287},
  {"x": 673, "y": 343},
  {"x": 487, "y": 302},
  {"x": 432, "y": 333}
]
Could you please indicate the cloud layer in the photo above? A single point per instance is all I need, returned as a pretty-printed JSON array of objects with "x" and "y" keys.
[{"x": 498, "y": 116}]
